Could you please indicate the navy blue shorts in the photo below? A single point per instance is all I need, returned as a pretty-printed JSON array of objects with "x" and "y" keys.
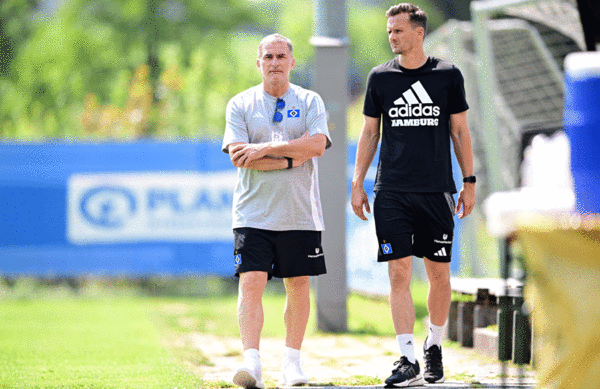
[
  {"x": 281, "y": 254},
  {"x": 420, "y": 224}
]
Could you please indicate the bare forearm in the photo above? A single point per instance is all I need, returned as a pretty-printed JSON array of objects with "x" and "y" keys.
[
  {"x": 365, "y": 152},
  {"x": 464, "y": 152},
  {"x": 367, "y": 146},
  {"x": 243, "y": 154},
  {"x": 268, "y": 163},
  {"x": 302, "y": 148},
  {"x": 265, "y": 163},
  {"x": 464, "y": 155},
  {"x": 461, "y": 140}
]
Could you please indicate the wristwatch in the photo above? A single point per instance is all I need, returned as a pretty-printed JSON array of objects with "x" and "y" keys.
[{"x": 470, "y": 179}]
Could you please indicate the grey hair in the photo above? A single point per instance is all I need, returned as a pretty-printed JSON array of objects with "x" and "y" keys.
[{"x": 274, "y": 38}]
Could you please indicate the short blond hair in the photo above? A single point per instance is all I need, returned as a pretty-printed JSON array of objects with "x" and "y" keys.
[{"x": 274, "y": 38}]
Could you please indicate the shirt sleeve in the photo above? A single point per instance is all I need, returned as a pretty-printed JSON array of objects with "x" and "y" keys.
[
  {"x": 316, "y": 118},
  {"x": 372, "y": 105},
  {"x": 458, "y": 102},
  {"x": 235, "y": 125}
]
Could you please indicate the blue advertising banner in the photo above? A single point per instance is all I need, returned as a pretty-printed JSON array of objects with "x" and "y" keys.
[
  {"x": 123, "y": 208},
  {"x": 139, "y": 208}
]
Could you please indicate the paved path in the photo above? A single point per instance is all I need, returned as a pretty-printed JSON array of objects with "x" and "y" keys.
[{"x": 344, "y": 360}]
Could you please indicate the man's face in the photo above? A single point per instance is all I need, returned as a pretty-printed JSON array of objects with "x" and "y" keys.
[
  {"x": 403, "y": 36},
  {"x": 276, "y": 62}
]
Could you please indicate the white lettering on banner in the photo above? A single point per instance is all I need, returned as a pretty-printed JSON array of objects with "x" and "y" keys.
[{"x": 149, "y": 206}]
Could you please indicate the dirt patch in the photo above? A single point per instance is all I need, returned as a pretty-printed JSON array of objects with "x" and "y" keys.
[{"x": 344, "y": 358}]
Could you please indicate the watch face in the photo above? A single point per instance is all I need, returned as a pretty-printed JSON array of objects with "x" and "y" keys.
[{"x": 470, "y": 179}]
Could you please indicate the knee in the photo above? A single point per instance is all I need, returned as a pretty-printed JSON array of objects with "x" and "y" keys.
[
  {"x": 252, "y": 284},
  {"x": 400, "y": 274},
  {"x": 297, "y": 284},
  {"x": 439, "y": 278},
  {"x": 440, "y": 282}
]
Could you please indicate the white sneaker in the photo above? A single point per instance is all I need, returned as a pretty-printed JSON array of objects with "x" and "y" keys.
[
  {"x": 248, "y": 378},
  {"x": 292, "y": 374}
]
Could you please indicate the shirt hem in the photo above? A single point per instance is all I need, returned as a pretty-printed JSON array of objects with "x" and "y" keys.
[
  {"x": 416, "y": 190},
  {"x": 271, "y": 228}
]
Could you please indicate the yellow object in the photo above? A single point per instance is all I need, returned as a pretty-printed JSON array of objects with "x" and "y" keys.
[{"x": 562, "y": 256}]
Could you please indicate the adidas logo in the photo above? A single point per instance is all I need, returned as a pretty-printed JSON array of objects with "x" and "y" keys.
[
  {"x": 258, "y": 115},
  {"x": 410, "y": 97},
  {"x": 416, "y": 106},
  {"x": 441, "y": 252}
]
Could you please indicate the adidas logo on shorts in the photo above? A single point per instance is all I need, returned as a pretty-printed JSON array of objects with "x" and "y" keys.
[{"x": 441, "y": 252}]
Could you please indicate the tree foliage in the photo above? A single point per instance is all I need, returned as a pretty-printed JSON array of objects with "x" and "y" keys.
[{"x": 130, "y": 69}]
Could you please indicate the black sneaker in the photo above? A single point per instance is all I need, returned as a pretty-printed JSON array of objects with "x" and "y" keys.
[
  {"x": 434, "y": 368},
  {"x": 405, "y": 374}
]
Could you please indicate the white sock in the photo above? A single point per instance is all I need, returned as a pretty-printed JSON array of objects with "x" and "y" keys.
[
  {"x": 435, "y": 335},
  {"x": 252, "y": 358},
  {"x": 407, "y": 348},
  {"x": 292, "y": 354}
]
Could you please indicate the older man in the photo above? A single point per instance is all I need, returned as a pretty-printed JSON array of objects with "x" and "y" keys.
[{"x": 274, "y": 133}]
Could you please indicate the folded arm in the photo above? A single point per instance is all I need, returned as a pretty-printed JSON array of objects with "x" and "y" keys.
[
  {"x": 301, "y": 149},
  {"x": 265, "y": 163}
]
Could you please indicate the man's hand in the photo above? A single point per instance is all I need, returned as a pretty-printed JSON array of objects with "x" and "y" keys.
[
  {"x": 243, "y": 154},
  {"x": 359, "y": 198},
  {"x": 466, "y": 200}
]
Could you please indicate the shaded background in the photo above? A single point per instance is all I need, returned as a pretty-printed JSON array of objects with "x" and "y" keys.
[{"x": 79, "y": 69}]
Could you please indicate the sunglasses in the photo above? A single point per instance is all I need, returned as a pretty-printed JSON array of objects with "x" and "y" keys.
[{"x": 280, "y": 104}]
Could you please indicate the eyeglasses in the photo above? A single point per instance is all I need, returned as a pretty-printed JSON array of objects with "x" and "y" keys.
[{"x": 280, "y": 104}]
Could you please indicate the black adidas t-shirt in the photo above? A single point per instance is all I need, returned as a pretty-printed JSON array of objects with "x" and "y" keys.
[{"x": 415, "y": 107}]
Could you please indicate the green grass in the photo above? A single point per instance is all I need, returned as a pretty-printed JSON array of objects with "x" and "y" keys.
[
  {"x": 461, "y": 377},
  {"x": 112, "y": 335},
  {"x": 462, "y": 297},
  {"x": 372, "y": 316},
  {"x": 356, "y": 380},
  {"x": 218, "y": 316},
  {"x": 85, "y": 343}
]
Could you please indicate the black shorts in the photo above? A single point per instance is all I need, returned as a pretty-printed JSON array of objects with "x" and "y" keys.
[
  {"x": 282, "y": 254},
  {"x": 420, "y": 224}
]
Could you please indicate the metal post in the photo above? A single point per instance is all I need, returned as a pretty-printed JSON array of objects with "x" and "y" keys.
[
  {"x": 521, "y": 333},
  {"x": 330, "y": 81},
  {"x": 505, "y": 328},
  {"x": 486, "y": 78},
  {"x": 488, "y": 89},
  {"x": 505, "y": 309}
]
